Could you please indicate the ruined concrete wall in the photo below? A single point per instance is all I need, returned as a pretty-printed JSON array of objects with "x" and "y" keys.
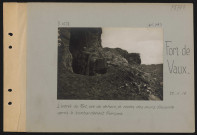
[
  {"x": 114, "y": 58},
  {"x": 80, "y": 51},
  {"x": 86, "y": 49},
  {"x": 85, "y": 38},
  {"x": 64, "y": 55},
  {"x": 133, "y": 58},
  {"x": 120, "y": 57}
]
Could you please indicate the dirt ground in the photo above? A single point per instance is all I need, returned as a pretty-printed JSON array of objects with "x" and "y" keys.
[{"x": 142, "y": 82}]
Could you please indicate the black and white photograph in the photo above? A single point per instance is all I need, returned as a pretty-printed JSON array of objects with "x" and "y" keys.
[{"x": 110, "y": 63}]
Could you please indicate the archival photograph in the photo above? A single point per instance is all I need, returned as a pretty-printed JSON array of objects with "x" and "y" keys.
[{"x": 110, "y": 63}]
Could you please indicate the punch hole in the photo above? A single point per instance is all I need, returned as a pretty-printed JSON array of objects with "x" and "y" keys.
[
  {"x": 11, "y": 34},
  {"x": 10, "y": 47},
  {"x": 10, "y": 90},
  {"x": 9, "y": 103}
]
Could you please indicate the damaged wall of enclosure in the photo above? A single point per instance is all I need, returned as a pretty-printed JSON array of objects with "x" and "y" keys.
[{"x": 86, "y": 70}]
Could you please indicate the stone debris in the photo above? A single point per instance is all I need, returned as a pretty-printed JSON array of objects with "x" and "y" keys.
[{"x": 86, "y": 70}]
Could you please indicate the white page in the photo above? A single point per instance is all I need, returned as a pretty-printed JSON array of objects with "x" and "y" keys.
[{"x": 178, "y": 89}]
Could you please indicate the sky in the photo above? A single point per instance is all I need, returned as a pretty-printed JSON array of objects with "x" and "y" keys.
[{"x": 146, "y": 41}]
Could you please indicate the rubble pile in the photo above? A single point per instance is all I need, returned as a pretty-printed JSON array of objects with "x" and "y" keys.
[
  {"x": 86, "y": 70},
  {"x": 115, "y": 53}
]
